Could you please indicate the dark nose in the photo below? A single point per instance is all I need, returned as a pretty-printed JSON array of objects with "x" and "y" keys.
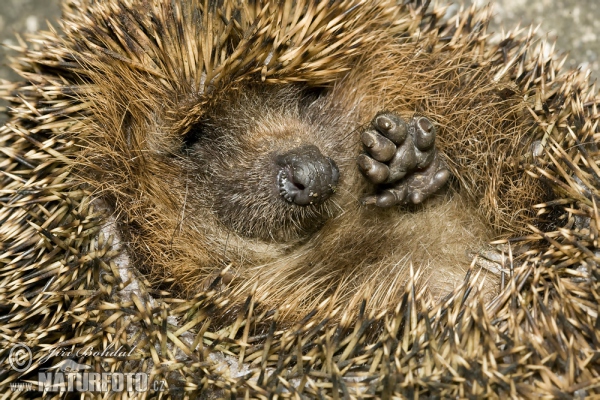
[{"x": 306, "y": 176}]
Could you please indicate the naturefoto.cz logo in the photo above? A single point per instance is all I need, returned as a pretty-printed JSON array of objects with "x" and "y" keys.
[{"x": 70, "y": 376}]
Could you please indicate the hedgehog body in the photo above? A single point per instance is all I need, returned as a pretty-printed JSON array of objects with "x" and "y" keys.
[
  {"x": 273, "y": 165},
  {"x": 195, "y": 169}
]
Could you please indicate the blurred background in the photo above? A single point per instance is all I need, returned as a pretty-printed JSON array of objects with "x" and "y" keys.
[{"x": 574, "y": 24}]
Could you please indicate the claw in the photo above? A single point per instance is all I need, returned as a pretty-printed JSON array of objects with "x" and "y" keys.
[
  {"x": 404, "y": 161},
  {"x": 391, "y": 197},
  {"x": 424, "y": 134},
  {"x": 379, "y": 147},
  {"x": 391, "y": 126},
  {"x": 388, "y": 198}
]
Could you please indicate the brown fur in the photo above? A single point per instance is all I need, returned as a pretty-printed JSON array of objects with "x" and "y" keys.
[{"x": 193, "y": 209}]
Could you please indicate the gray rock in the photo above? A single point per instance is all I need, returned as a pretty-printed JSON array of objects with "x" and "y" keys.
[
  {"x": 22, "y": 17},
  {"x": 573, "y": 24}
]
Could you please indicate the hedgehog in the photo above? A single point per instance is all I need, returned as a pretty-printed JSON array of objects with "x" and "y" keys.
[{"x": 300, "y": 199}]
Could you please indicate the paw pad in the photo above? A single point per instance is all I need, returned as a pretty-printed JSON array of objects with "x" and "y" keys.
[{"x": 401, "y": 158}]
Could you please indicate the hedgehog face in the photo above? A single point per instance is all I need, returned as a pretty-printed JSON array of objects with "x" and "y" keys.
[{"x": 271, "y": 174}]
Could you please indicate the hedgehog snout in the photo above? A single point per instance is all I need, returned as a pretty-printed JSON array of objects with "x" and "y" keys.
[{"x": 305, "y": 176}]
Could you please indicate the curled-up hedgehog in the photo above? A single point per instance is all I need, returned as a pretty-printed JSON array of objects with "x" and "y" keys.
[
  {"x": 301, "y": 198},
  {"x": 306, "y": 165}
]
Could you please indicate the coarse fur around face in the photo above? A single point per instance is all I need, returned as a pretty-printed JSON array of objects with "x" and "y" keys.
[{"x": 183, "y": 147}]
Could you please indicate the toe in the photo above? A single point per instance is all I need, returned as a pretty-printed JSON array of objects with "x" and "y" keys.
[
  {"x": 404, "y": 161},
  {"x": 379, "y": 147},
  {"x": 440, "y": 179},
  {"x": 424, "y": 134},
  {"x": 391, "y": 126},
  {"x": 416, "y": 197},
  {"x": 391, "y": 197},
  {"x": 423, "y": 185},
  {"x": 375, "y": 171},
  {"x": 388, "y": 198}
]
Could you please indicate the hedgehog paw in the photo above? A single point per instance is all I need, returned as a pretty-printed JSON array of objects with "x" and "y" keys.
[{"x": 402, "y": 160}]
